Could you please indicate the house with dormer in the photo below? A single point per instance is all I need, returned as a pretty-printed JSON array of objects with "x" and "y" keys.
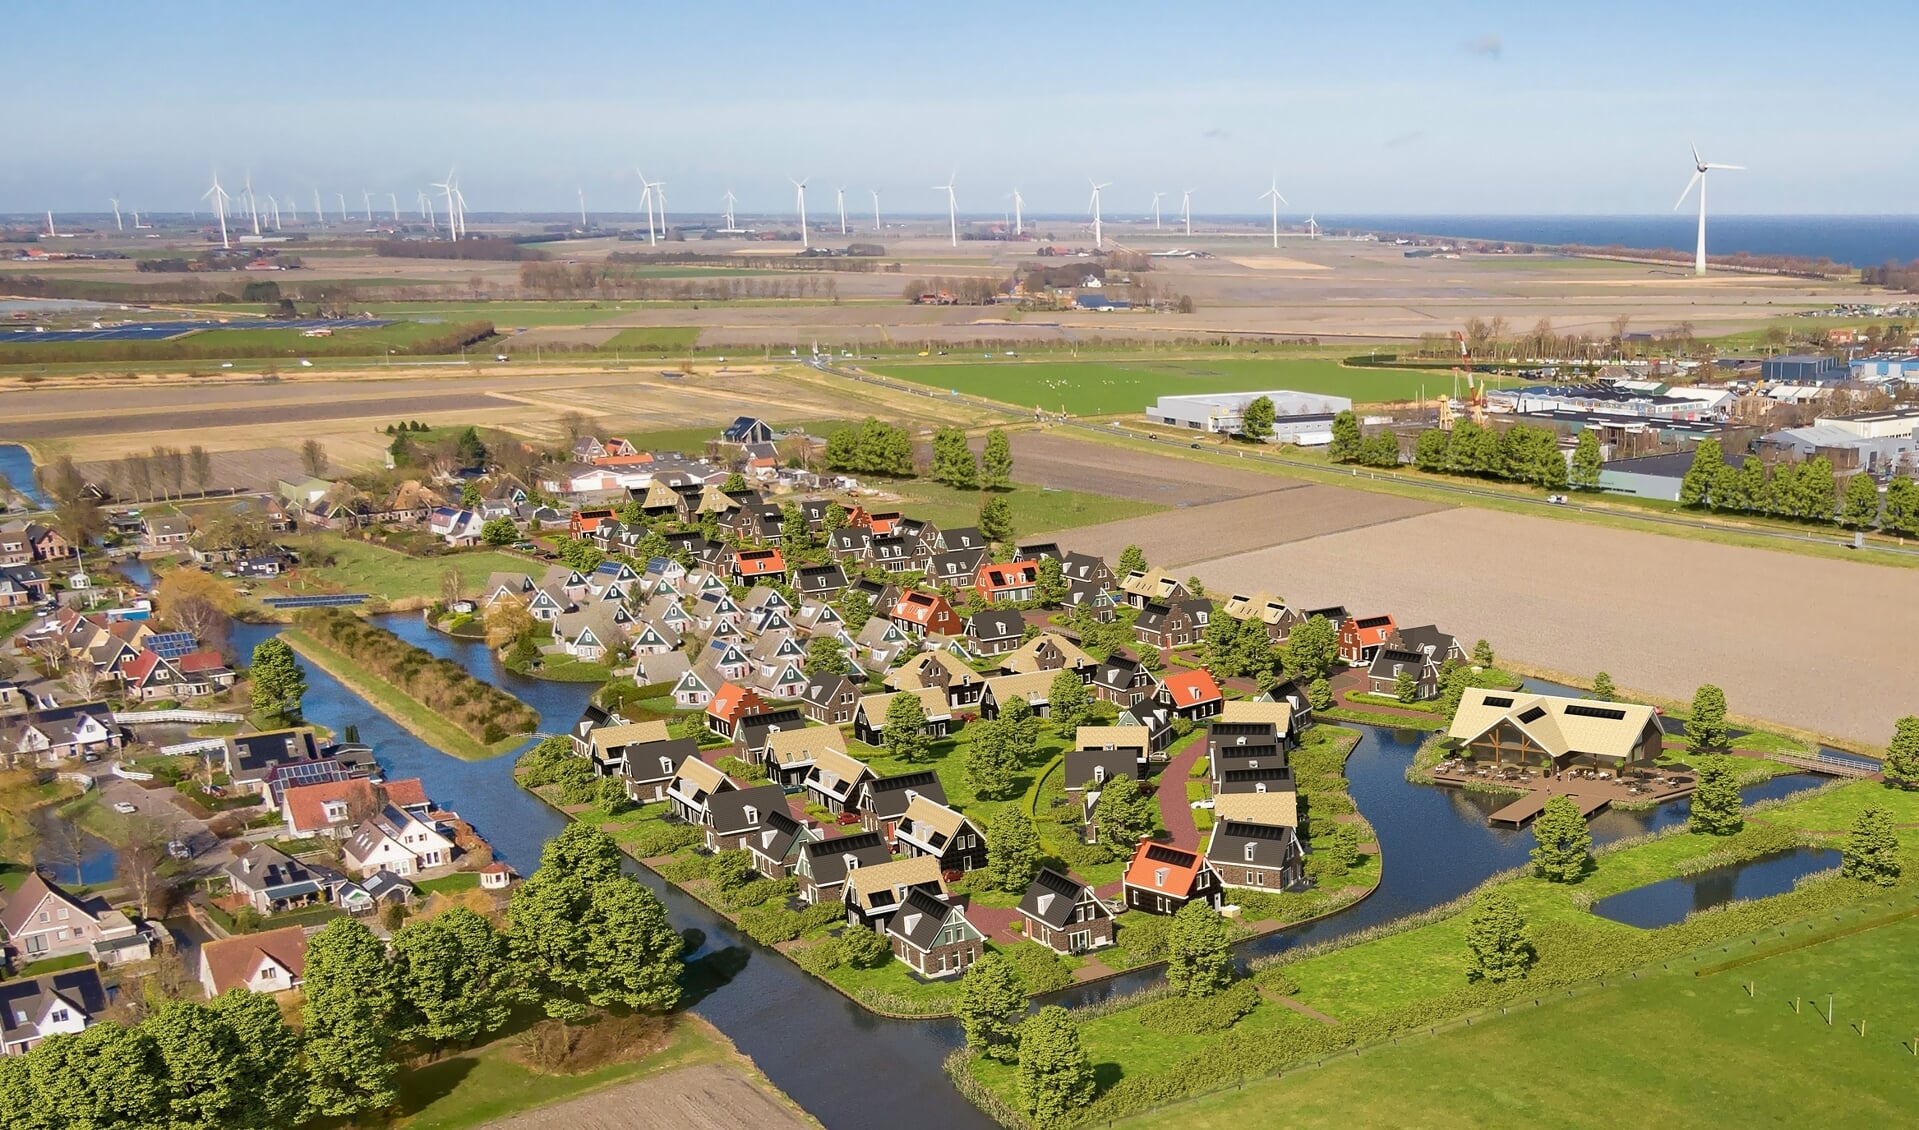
[
  {"x": 52, "y": 1004},
  {"x": 398, "y": 840},
  {"x": 691, "y": 791},
  {"x": 931, "y": 827},
  {"x": 941, "y": 671},
  {"x": 775, "y": 847},
  {"x": 933, "y": 936},
  {"x": 734, "y": 817},
  {"x": 869, "y": 717},
  {"x": 920, "y": 613},
  {"x": 835, "y": 780},
  {"x": 873, "y": 893},
  {"x": 43, "y": 921},
  {"x": 1064, "y": 915},
  {"x": 823, "y": 865},
  {"x": 649, "y": 767},
  {"x": 269, "y": 961},
  {"x": 1050, "y": 651},
  {"x": 1161, "y": 878},
  {"x": 830, "y": 699}
]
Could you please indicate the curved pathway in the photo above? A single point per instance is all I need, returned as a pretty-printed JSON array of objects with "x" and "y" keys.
[{"x": 1175, "y": 811}]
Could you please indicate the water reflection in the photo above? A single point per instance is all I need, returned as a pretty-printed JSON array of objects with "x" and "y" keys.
[{"x": 1671, "y": 900}]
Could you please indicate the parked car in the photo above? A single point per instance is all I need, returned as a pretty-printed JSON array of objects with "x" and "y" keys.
[
  {"x": 1556, "y": 499},
  {"x": 90, "y": 757},
  {"x": 179, "y": 849},
  {"x": 124, "y": 807}
]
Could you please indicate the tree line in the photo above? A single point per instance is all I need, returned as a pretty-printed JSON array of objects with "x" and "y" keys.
[
  {"x": 1805, "y": 490},
  {"x": 579, "y": 936},
  {"x": 237, "y": 345},
  {"x": 479, "y": 709},
  {"x": 490, "y": 249},
  {"x": 871, "y": 448}
]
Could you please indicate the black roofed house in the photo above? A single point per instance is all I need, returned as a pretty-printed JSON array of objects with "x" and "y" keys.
[
  {"x": 775, "y": 847},
  {"x": 819, "y": 580},
  {"x": 830, "y": 699},
  {"x": 1123, "y": 682},
  {"x": 650, "y": 767},
  {"x": 959, "y": 538},
  {"x": 755, "y": 729},
  {"x": 1105, "y": 752},
  {"x": 272, "y": 761},
  {"x": 872, "y": 893},
  {"x": 1034, "y": 551},
  {"x": 34, "y": 1008},
  {"x": 271, "y": 880},
  {"x": 854, "y": 543},
  {"x": 932, "y": 827},
  {"x": 934, "y": 937},
  {"x": 897, "y": 553},
  {"x": 745, "y": 430},
  {"x": 734, "y": 817},
  {"x": 1234, "y": 746},
  {"x": 835, "y": 780},
  {"x": 1174, "y": 623},
  {"x": 1064, "y": 915},
  {"x": 823, "y": 864},
  {"x": 1419, "y": 651},
  {"x": 1259, "y": 856},
  {"x": 995, "y": 631},
  {"x": 882, "y": 801},
  {"x": 955, "y": 568}
]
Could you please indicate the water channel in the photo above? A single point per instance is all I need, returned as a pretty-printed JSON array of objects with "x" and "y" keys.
[
  {"x": 806, "y": 1037},
  {"x": 16, "y": 470}
]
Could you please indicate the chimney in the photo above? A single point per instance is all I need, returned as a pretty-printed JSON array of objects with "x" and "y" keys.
[{"x": 246, "y": 864}]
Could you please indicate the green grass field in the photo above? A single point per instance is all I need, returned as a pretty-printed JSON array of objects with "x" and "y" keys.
[
  {"x": 504, "y": 314},
  {"x": 390, "y": 575},
  {"x": 1674, "y": 1050},
  {"x": 1100, "y": 388},
  {"x": 1035, "y": 509},
  {"x": 653, "y": 339}
]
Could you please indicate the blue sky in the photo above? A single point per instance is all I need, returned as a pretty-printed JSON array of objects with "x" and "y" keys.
[{"x": 1364, "y": 107}]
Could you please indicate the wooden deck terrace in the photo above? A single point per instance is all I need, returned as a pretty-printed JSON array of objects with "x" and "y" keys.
[{"x": 1593, "y": 794}]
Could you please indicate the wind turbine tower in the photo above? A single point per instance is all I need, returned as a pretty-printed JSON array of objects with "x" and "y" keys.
[
  {"x": 252, "y": 209},
  {"x": 1156, "y": 197},
  {"x": 876, "y": 209},
  {"x": 658, "y": 189},
  {"x": 1019, "y": 221},
  {"x": 1277, "y": 201},
  {"x": 952, "y": 209},
  {"x": 344, "y": 215},
  {"x": 799, "y": 204},
  {"x": 730, "y": 199},
  {"x": 646, "y": 201},
  {"x": 51, "y": 234},
  {"x": 319, "y": 212},
  {"x": 1099, "y": 242},
  {"x": 1700, "y": 169},
  {"x": 581, "y": 189},
  {"x": 839, "y": 197},
  {"x": 393, "y": 198},
  {"x": 1186, "y": 210},
  {"x": 273, "y": 206},
  {"x": 219, "y": 197},
  {"x": 293, "y": 208},
  {"x": 117, "y": 225}
]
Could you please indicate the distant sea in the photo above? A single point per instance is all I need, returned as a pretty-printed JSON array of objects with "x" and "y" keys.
[{"x": 1861, "y": 241}]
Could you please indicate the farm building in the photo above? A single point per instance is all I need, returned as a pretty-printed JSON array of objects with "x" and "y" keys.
[{"x": 1298, "y": 417}]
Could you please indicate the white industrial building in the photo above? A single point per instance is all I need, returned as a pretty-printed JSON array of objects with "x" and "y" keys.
[{"x": 1298, "y": 417}]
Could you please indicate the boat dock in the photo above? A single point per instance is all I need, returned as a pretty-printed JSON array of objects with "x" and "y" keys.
[{"x": 1521, "y": 812}]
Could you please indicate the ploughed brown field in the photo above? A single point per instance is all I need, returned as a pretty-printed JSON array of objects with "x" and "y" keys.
[
  {"x": 704, "y": 1097},
  {"x": 1810, "y": 642}
]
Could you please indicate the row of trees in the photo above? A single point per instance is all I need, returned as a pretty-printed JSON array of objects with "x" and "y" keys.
[
  {"x": 955, "y": 465},
  {"x": 871, "y": 448},
  {"x": 1521, "y": 453},
  {"x": 579, "y": 936},
  {"x": 481, "y": 710},
  {"x": 1804, "y": 490}
]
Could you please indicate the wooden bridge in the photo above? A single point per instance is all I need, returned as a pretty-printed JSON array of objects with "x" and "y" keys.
[
  {"x": 1828, "y": 765},
  {"x": 189, "y": 717}
]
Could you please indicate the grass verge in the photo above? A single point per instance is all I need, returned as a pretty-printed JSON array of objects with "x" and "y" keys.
[{"x": 390, "y": 701}]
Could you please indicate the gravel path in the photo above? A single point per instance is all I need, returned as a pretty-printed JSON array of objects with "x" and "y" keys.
[{"x": 704, "y": 1097}]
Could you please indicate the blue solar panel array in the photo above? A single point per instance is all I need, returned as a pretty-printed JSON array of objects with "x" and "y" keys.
[
  {"x": 172, "y": 645},
  {"x": 336, "y": 600},
  {"x": 160, "y": 331}
]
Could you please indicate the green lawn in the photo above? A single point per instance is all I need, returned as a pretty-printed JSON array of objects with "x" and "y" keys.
[
  {"x": 1035, "y": 509},
  {"x": 1674, "y": 1049},
  {"x": 1100, "y": 388},
  {"x": 396, "y": 704},
  {"x": 391, "y": 575}
]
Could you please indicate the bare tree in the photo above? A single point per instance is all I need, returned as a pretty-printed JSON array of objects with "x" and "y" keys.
[
  {"x": 139, "y": 477},
  {"x": 201, "y": 465},
  {"x": 84, "y": 680},
  {"x": 452, "y": 585},
  {"x": 176, "y": 463},
  {"x": 572, "y": 427},
  {"x": 51, "y": 651},
  {"x": 200, "y": 618},
  {"x": 313, "y": 457},
  {"x": 137, "y": 866},
  {"x": 365, "y": 803},
  {"x": 65, "y": 842}
]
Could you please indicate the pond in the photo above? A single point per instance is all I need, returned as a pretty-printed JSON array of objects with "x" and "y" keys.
[
  {"x": 16, "y": 468},
  {"x": 805, "y": 1036},
  {"x": 69, "y": 853},
  {"x": 1671, "y": 900}
]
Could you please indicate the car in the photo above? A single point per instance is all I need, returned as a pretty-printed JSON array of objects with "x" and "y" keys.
[
  {"x": 499, "y": 357},
  {"x": 179, "y": 849},
  {"x": 1194, "y": 446},
  {"x": 90, "y": 757},
  {"x": 1556, "y": 499},
  {"x": 125, "y": 807}
]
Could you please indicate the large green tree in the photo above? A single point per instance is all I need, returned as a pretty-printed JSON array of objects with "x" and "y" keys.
[
  {"x": 1707, "y": 473},
  {"x": 1055, "y": 1077},
  {"x": 1563, "y": 840},
  {"x": 1870, "y": 852},
  {"x": 1900, "y": 514},
  {"x": 992, "y": 999},
  {"x": 1050, "y": 588},
  {"x": 278, "y": 680},
  {"x": 824, "y": 657},
  {"x": 588, "y": 936},
  {"x": 905, "y": 733},
  {"x": 1345, "y": 447},
  {"x": 1706, "y": 725},
  {"x": 1431, "y": 450},
  {"x": 347, "y": 1018},
  {"x": 996, "y": 519},
  {"x": 1586, "y": 462},
  {"x": 1068, "y": 703},
  {"x": 1199, "y": 956},
  {"x": 499, "y": 531},
  {"x": 1131, "y": 560},
  {"x": 1124, "y": 814},
  {"x": 272, "y": 1082},
  {"x": 1901, "y": 766},
  {"x": 108, "y": 1076},
  {"x": 1717, "y": 807},
  {"x": 996, "y": 462},
  {"x": 1012, "y": 849},
  {"x": 1256, "y": 422},
  {"x": 1312, "y": 649},
  {"x": 1859, "y": 509},
  {"x": 993, "y": 757},
  {"x": 456, "y": 979},
  {"x": 1497, "y": 946}
]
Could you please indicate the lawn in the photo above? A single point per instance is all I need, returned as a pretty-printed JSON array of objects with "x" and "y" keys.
[
  {"x": 1633, "y": 1052},
  {"x": 1102, "y": 388},
  {"x": 653, "y": 339},
  {"x": 396, "y": 704},
  {"x": 1035, "y": 509},
  {"x": 391, "y": 575}
]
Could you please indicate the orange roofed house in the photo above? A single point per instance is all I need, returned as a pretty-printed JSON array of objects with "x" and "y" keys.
[
  {"x": 759, "y": 565},
  {"x": 1162, "y": 878},
  {"x": 1192, "y": 694},
  {"x": 1361, "y": 637},
  {"x": 730, "y": 706},
  {"x": 271, "y": 961},
  {"x": 1013, "y": 582},
  {"x": 927, "y": 613}
]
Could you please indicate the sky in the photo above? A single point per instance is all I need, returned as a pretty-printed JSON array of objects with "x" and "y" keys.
[{"x": 1389, "y": 107}]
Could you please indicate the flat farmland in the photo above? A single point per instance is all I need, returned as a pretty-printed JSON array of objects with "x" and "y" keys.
[
  {"x": 1298, "y": 512},
  {"x": 704, "y": 1097},
  {"x": 1103, "y": 388},
  {"x": 1806, "y": 641},
  {"x": 1065, "y": 462}
]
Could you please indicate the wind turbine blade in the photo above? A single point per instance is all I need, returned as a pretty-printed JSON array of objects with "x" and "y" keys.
[
  {"x": 1696, "y": 177},
  {"x": 1695, "y": 152},
  {"x": 1737, "y": 168}
]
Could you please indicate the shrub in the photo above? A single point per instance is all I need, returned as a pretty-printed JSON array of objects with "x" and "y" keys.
[
  {"x": 1200, "y": 768},
  {"x": 756, "y": 893},
  {"x": 1144, "y": 935},
  {"x": 1198, "y": 1016},
  {"x": 686, "y": 869},
  {"x": 1274, "y": 978},
  {"x": 740, "y": 770},
  {"x": 864, "y": 948},
  {"x": 822, "y": 957},
  {"x": 664, "y": 839},
  {"x": 1040, "y": 969}
]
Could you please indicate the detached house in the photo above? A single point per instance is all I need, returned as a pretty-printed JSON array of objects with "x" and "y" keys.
[
  {"x": 830, "y": 699},
  {"x": 271, "y": 961},
  {"x": 1036, "y": 688},
  {"x": 922, "y": 613},
  {"x": 775, "y": 848},
  {"x": 823, "y": 581},
  {"x": 823, "y": 865},
  {"x": 932, "y": 936},
  {"x": 396, "y": 840},
  {"x": 930, "y": 827},
  {"x": 1011, "y": 583},
  {"x": 1064, "y": 915},
  {"x": 882, "y": 801},
  {"x": 790, "y": 754},
  {"x": 648, "y": 768},
  {"x": 941, "y": 671},
  {"x": 1050, "y": 651},
  {"x": 869, "y": 717},
  {"x": 835, "y": 780},
  {"x": 1361, "y": 638},
  {"x": 1151, "y": 586},
  {"x": 51, "y": 1004},
  {"x": 873, "y": 893},
  {"x": 1419, "y": 652},
  {"x": 995, "y": 631},
  {"x": 1192, "y": 694},
  {"x": 734, "y": 817},
  {"x": 1162, "y": 878},
  {"x": 1123, "y": 682},
  {"x": 1173, "y": 624},
  {"x": 1259, "y": 856},
  {"x": 729, "y": 706},
  {"x": 751, "y": 565},
  {"x": 692, "y": 789},
  {"x": 1504, "y": 728},
  {"x": 43, "y": 921},
  {"x": 270, "y": 880}
]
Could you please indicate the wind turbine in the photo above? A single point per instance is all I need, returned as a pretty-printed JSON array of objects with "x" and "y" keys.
[
  {"x": 366, "y": 201},
  {"x": 1186, "y": 210},
  {"x": 1700, "y": 168},
  {"x": 51, "y": 233},
  {"x": 1098, "y": 242},
  {"x": 799, "y": 203},
  {"x": 273, "y": 206},
  {"x": 1277, "y": 201},
  {"x": 393, "y": 198},
  {"x": 344, "y": 215},
  {"x": 1019, "y": 223},
  {"x": 459, "y": 209},
  {"x": 658, "y": 188},
  {"x": 582, "y": 191},
  {"x": 730, "y": 199},
  {"x": 136, "y": 219},
  {"x": 1312, "y": 226},
  {"x": 318, "y": 211},
  {"x": 646, "y": 201},
  {"x": 839, "y": 197},
  {"x": 293, "y": 208},
  {"x": 219, "y": 197},
  {"x": 952, "y": 209},
  {"x": 446, "y": 189},
  {"x": 1156, "y": 197},
  {"x": 252, "y": 209},
  {"x": 426, "y": 212},
  {"x": 117, "y": 225},
  {"x": 876, "y": 209}
]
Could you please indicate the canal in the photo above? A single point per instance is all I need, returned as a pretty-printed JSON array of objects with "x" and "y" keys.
[
  {"x": 806, "y": 1037},
  {"x": 16, "y": 470}
]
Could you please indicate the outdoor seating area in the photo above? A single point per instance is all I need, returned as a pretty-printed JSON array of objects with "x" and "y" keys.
[{"x": 1594, "y": 789}]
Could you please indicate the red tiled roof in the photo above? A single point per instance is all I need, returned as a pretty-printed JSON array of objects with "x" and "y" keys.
[
  {"x": 142, "y": 665},
  {"x": 919, "y": 607},
  {"x": 731, "y": 701},
  {"x": 231, "y": 960},
  {"x": 758, "y": 562},
  {"x": 199, "y": 662},
  {"x": 1371, "y": 629},
  {"x": 1190, "y": 687},
  {"x": 306, "y": 804},
  {"x": 1181, "y": 868}
]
